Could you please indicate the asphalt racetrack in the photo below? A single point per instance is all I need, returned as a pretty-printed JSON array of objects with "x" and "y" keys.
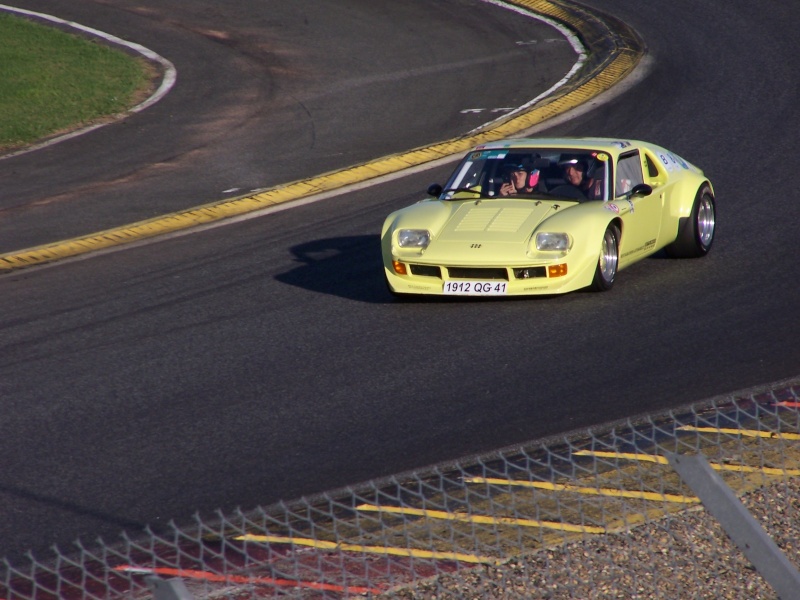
[{"x": 265, "y": 360}]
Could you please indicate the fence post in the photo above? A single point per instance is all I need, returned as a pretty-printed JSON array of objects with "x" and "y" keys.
[
  {"x": 168, "y": 589},
  {"x": 745, "y": 531}
]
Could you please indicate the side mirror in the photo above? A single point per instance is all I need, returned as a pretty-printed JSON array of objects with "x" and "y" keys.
[
  {"x": 641, "y": 189},
  {"x": 435, "y": 190}
]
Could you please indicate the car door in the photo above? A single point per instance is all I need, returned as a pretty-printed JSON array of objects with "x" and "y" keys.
[{"x": 642, "y": 222}]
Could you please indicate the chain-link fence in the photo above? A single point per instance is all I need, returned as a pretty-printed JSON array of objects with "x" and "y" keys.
[{"x": 596, "y": 514}]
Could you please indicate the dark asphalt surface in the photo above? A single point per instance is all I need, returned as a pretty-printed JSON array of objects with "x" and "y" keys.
[
  {"x": 265, "y": 360},
  {"x": 269, "y": 92}
]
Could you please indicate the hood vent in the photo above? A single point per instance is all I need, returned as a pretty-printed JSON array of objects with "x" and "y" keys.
[{"x": 506, "y": 220}]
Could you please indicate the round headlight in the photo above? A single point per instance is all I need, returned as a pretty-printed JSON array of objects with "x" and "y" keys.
[
  {"x": 413, "y": 238},
  {"x": 552, "y": 241}
]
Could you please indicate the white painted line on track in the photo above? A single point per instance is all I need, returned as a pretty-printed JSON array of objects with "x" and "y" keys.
[{"x": 570, "y": 37}]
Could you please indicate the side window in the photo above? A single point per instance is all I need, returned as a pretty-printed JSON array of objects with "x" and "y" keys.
[
  {"x": 652, "y": 169},
  {"x": 629, "y": 173},
  {"x": 654, "y": 172}
]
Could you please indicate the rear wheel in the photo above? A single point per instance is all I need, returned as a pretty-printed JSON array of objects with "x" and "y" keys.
[
  {"x": 696, "y": 233},
  {"x": 606, "y": 272}
]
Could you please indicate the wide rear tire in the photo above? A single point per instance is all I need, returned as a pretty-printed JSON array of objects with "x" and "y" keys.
[
  {"x": 696, "y": 233},
  {"x": 607, "y": 265}
]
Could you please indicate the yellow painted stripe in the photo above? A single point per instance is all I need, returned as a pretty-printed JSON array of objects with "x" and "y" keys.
[
  {"x": 743, "y": 432},
  {"x": 613, "y": 493},
  {"x": 387, "y": 550},
  {"x": 617, "y": 69},
  {"x": 748, "y": 469},
  {"x": 663, "y": 461},
  {"x": 623, "y": 455},
  {"x": 463, "y": 517}
]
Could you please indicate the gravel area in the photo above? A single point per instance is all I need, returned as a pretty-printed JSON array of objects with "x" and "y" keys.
[{"x": 684, "y": 555}]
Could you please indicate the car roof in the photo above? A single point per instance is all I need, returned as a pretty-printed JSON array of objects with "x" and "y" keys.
[{"x": 610, "y": 145}]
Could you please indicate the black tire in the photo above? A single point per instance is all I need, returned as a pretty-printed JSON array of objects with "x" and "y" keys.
[
  {"x": 696, "y": 232},
  {"x": 607, "y": 265}
]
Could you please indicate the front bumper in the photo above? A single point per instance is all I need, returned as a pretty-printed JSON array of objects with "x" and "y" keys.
[{"x": 541, "y": 279}]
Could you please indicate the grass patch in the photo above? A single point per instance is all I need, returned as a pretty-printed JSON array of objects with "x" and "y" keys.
[{"x": 52, "y": 81}]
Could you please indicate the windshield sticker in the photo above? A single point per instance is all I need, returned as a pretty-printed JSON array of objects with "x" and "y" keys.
[
  {"x": 602, "y": 157},
  {"x": 488, "y": 155}
]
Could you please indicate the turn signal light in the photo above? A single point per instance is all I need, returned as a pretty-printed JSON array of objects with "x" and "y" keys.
[
  {"x": 557, "y": 270},
  {"x": 399, "y": 268}
]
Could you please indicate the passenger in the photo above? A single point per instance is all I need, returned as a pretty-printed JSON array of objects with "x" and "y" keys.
[
  {"x": 575, "y": 174},
  {"x": 521, "y": 180}
]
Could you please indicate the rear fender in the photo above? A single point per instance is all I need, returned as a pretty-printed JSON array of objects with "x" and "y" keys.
[{"x": 680, "y": 203}]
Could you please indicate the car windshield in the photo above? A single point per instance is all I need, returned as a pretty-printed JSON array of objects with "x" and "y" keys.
[{"x": 564, "y": 174}]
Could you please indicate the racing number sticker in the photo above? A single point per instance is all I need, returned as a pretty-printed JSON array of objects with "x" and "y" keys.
[{"x": 672, "y": 161}]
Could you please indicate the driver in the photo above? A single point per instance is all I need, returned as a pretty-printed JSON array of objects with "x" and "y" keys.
[
  {"x": 521, "y": 180},
  {"x": 575, "y": 174}
]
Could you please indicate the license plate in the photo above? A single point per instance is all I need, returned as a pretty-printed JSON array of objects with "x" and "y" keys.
[{"x": 475, "y": 288}]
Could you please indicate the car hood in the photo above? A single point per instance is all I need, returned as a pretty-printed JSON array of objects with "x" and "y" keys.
[
  {"x": 509, "y": 220},
  {"x": 500, "y": 225}
]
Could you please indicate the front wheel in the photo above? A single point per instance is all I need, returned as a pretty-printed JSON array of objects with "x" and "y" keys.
[
  {"x": 606, "y": 272},
  {"x": 696, "y": 233}
]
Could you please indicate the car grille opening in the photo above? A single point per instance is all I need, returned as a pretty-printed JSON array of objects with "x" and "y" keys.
[
  {"x": 477, "y": 273},
  {"x": 530, "y": 272},
  {"x": 426, "y": 270}
]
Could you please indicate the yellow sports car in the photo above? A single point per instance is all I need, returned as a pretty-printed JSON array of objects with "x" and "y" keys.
[{"x": 548, "y": 216}]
